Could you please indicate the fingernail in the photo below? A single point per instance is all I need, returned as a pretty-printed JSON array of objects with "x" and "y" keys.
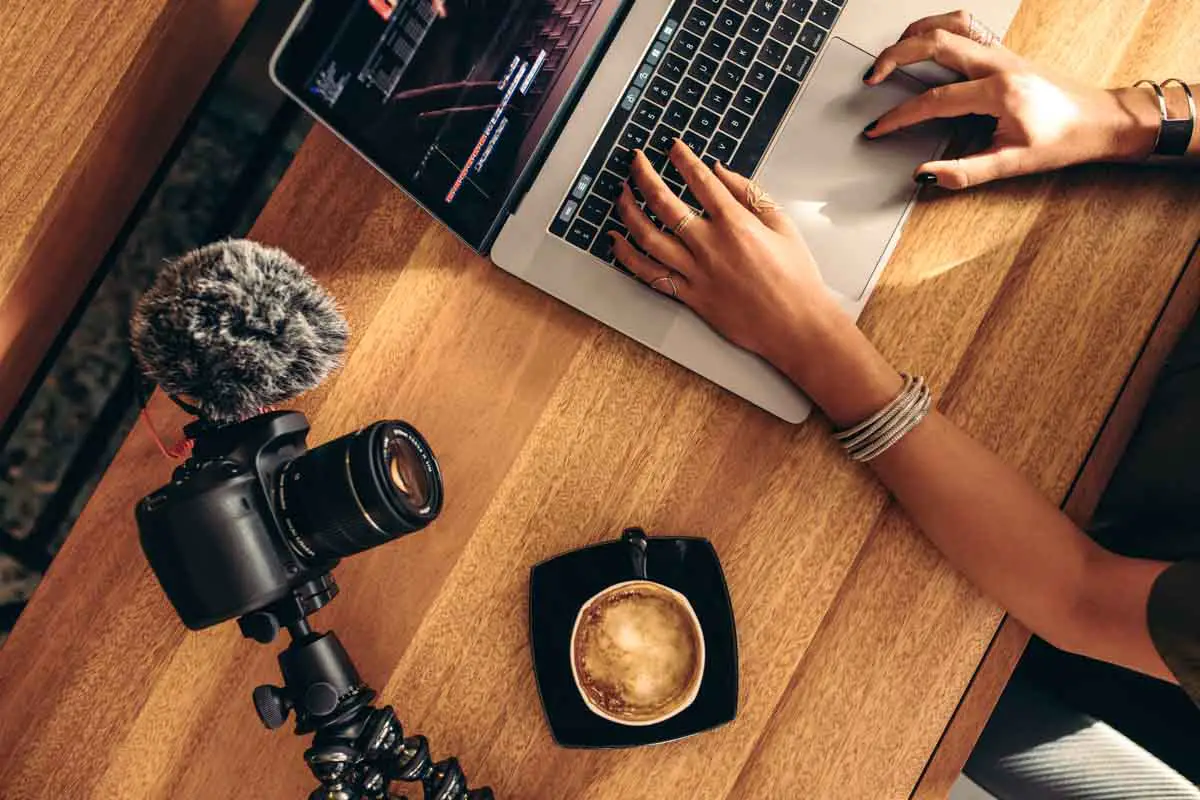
[
  {"x": 927, "y": 179},
  {"x": 870, "y": 127},
  {"x": 869, "y": 73}
]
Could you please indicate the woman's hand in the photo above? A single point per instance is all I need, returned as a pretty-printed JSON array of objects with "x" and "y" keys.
[
  {"x": 1043, "y": 121},
  {"x": 750, "y": 275}
]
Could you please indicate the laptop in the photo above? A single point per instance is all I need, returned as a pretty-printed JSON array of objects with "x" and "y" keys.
[{"x": 513, "y": 124}]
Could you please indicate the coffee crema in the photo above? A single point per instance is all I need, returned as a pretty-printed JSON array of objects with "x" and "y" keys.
[{"x": 637, "y": 653}]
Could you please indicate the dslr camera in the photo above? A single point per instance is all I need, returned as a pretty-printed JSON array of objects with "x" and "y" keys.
[{"x": 253, "y": 517}]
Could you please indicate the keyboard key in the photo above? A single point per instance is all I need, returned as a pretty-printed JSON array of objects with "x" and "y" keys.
[
  {"x": 825, "y": 14},
  {"x": 660, "y": 90},
  {"x": 647, "y": 115},
  {"x": 673, "y": 67},
  {"x": 581, "y": 234},
  {"x": 812, "y": 37},
  {"x": 690, "y": 199},
  {"x": 568, "y": 210},
  {"x": 785, "y": 30},
  {"x": 743, "y": 52},
  {"x": 630, "y": 99},
  {"x": 619, "y": 161},
  {"x": 678, "y": 115},
  {"x": 797, "y": 63},
  {"x": 602, "y": 247},
  {"x": 695, "y": 141},
  {"x": 770, "y": 115},
  {"x": 709, "y": 5},
  {"x": 634, "y": 137},
  {"x": 668, "y": 30},
  {"x": 676, "y": 188},
  {"x": 698, "y": 21},
  {"x": 594, "y": 209},
  {"x": 655, "y": 53},
  {"x": 756, "y": 29},
  {"x": 705, "y": 122},
  {"x": 730, "y": 75},
  {"x": 735, "y": 123},
  {"x": 728, "y": 22},
  {"x": 717, "y": 98},
  {"x": 671, "y": 175},
  {"x": 747, "y": 100},
  {"x": 608, "y": 185},
  {"x": 716, "y": 45},
  {"x": 686, "y": 44},
  {"x": 760, "y": 76},
  {"x": 797, "y": 9},
  {"x": 656, "y": 158},
  {"x": 767, "y": 8},
  {"x": 704, "y": 69},
  {"x": 691, "y": 92},
  {"x": 740, "y": 6},
  {"x": 662, "y": 138},
  {"x": 721, "y": 148},
  {"x": 642, "y": 76},
  {"x": 773, "y": 52},
  {"x": 581, "y": 187}
]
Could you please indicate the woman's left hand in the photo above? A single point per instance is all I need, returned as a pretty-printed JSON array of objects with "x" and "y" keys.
[{"x": 748, "y": 274}]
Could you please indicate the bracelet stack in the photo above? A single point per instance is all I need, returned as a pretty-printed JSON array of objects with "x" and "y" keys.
[
  {"x": 877, "y": 433},
  {"x": 1174, "y": 134}
]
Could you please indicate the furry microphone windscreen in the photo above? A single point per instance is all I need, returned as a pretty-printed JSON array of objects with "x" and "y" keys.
[{"x": 235, "y": 327}]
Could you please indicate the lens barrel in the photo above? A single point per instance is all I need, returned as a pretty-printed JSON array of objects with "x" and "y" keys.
[{"x": 360, "y": 490}]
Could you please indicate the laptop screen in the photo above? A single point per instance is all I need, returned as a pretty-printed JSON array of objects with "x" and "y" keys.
[{"x": 451, "y": 98}]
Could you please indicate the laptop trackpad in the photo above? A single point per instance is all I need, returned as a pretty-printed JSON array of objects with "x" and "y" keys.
[{"x": 846, "y": 194}]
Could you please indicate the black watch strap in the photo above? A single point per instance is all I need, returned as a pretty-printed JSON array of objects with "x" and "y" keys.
[{"x": 1176, "y": 134}]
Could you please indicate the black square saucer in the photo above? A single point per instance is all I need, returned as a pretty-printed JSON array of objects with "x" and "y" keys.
[{"x": 558, "y": 588}]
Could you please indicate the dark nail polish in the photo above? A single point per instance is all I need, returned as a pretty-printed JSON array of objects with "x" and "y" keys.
[
  {"x": 927, "y": 179},
  {"x": 869, "y": 73},
  {"x": 870, "y": 127}
]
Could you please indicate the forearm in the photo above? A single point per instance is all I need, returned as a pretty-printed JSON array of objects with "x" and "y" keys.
[
  {"x": 985, "y": 518},
  {"x": 1141, "y": 119}
]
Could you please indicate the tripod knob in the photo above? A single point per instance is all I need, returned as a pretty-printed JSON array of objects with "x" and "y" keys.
[{"x": 272, "y": 705}]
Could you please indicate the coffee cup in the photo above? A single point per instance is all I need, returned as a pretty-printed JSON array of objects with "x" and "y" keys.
[{"x": 637, "y": 650}]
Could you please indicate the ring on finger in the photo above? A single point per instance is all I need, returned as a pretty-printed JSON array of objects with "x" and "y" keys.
[
  {"x": 686, "y": 220},
  {"x": 982, "y": 34},
  {"x": 670, "y": 279},
  {"x": 758, "y": 200}
]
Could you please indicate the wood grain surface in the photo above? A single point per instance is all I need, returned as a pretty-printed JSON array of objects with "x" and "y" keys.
[
  {"x": 93, "y": 96},
  {"x": 1026, "y": 304}
]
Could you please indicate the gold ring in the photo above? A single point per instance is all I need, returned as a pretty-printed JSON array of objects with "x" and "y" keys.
[
  {"x": 758, "y": 200},
  {"x": 982, "y": 34},
  {"x": 670, "y": 281},
  {"x": 690, "y": 215}
]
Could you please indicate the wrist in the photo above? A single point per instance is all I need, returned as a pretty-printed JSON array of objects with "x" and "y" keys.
[
  {"x": 830, "y": 359},
  {"x": 1137, "y": 123}
]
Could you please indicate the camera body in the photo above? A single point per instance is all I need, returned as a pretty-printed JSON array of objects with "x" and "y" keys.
[{"x": 254, "y": 515}]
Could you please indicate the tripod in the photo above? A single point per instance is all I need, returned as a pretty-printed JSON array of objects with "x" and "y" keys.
[{"x": 357, "y": 749}]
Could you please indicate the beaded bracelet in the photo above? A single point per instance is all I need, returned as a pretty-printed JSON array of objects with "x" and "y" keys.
[{"x": 874, "y": 435}]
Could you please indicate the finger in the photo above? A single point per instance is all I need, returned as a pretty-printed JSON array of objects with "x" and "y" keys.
[
  {"x": 649, "y": 270},
  {"x": 711, "y": 193},
  {"x": 667, "y": 249},
  {"x": 941, "y": 102},
  {"x": 739, "y": 187},
  {"x": 973, "y": 170},
  {"x": 955, "y": 22},
  {"x": 942, "y": 47},
  {"x": 659, "y": 197}
]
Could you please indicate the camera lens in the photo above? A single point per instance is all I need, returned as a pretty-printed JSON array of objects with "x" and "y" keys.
[{"x": 360, "y": 490}]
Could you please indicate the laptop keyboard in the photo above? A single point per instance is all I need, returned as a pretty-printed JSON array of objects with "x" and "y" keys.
[
  {"x": 559, "y": 25},
  {"x": 720, "y": 75}
]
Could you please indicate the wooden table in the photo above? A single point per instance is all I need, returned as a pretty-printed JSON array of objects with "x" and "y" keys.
[
  {"x": 1025, "y": 303},
  {"x": 92, "y": 98}
]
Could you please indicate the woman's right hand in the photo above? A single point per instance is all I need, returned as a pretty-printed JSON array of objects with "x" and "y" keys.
[{"x": 1043, "y": 121}]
